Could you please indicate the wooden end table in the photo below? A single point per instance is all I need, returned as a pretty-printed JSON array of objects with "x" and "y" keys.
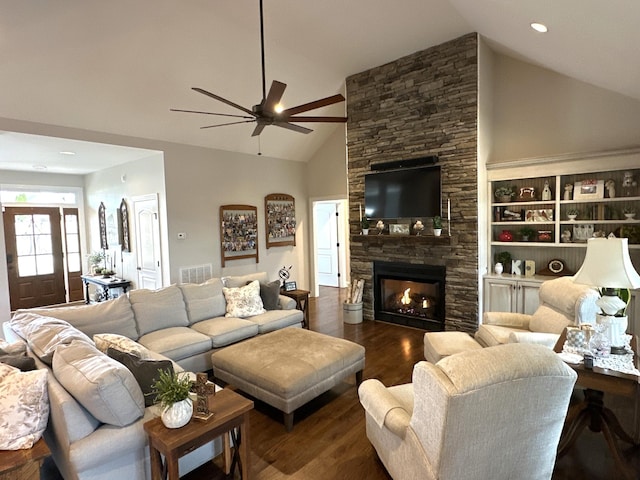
[
  {"x": 26, "y": 463},
  {"x": 231, "y": 420},
  {"x": 592, "y": 412},
  {"x": 302, "y": 303}
]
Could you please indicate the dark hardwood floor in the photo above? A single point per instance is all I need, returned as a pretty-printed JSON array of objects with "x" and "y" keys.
[{"x": 328, "y": 440}]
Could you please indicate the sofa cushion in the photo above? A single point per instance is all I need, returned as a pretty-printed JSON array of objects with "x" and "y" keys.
[
  {"x": 491, "y": 335},
  {"x": 105, "y": 387},
  {"x": 24, "y": 407},
  {"x": 104, "y": 341},
  {"x": 277, "y": 319},
  {"x": 241, "y": 280},
  {"x": 226, "y": 330},
  {"x": 270, "y": 295},
  {"x": 176, "y": 342},
  {"x": 243, "y": 301},
  {"x": 20, "y": 361},
  {"x": 113, "y": 316},
  {"x": 204, "y": 300},
  {"x": 158, "y": 309},
  {"x": 14, "y": 348},
  {"x": 549, "y": 320},
  {"x": 145, "y": 371},
  {"x": 45, "y": 334}
]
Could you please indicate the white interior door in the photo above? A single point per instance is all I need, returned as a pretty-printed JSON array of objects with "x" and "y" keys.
[
  {"x": 147, "y": 232},
  {"x": 326, "y": 229}
]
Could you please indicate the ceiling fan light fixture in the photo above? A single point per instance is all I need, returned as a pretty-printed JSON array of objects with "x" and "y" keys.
[
  {"x": 539, "y": 27},
  {"x": 279, "y": 108}
]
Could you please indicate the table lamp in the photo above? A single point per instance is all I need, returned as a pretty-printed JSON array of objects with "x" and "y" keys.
[{"x": 607, "y": 265}]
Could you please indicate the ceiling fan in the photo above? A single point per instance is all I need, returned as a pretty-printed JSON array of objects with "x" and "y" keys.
[{"x": 267, "y": 112}]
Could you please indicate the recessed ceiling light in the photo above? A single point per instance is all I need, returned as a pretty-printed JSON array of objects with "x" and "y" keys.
[
  {"x": 67, "y": 152},
  {"x": 39, "y": 167},
  {"x": 539, "y": 27}
]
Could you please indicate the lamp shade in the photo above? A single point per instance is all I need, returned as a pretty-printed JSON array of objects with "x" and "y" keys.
[{"x": 607, "y": 264}]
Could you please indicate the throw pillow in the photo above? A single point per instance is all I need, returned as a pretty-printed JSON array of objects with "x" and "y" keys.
[
  {"x": 105, "y": 387},
  {"x": 243, "y": 301},
  {"x": 144, "y": 371},
  {"x": 24, "y": 407},
  {"x": 270, "y": 295},
  {"x": 21, "y": 361},
  {"x": 15, "y": 348},
  {"x": 104, "y": 341}
]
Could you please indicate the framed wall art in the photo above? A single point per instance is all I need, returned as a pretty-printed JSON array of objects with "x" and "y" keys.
[
  {"x": 238, "y": 232},
  {"x": 123, "y": 222},
  {"x": 102, "y": 225},
  {"x": 280, "y": 211}
]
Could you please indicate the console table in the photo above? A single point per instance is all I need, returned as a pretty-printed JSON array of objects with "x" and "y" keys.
[
  {"x": 302, "y": 303},
  {"x": 104, "y": 285}
]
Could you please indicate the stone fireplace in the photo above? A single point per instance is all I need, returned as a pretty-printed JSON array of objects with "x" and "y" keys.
[
  {"x": 420, "y": 105},
  {"x": 409, "y": 294}
]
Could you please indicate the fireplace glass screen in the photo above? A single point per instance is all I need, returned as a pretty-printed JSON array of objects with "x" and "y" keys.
[{"x": 415, "y": 299}]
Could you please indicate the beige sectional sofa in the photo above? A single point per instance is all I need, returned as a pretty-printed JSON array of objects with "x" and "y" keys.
[{"x": 93, "y": 435}]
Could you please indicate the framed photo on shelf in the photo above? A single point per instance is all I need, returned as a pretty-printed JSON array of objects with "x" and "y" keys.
[
  {"x": 280, "y": 211},
  {"x": 588, "y": 190},
  {"x": 238, "y": 232},
  {"x": 399, "y": 229},
  {"x": 542, "y": 215}
]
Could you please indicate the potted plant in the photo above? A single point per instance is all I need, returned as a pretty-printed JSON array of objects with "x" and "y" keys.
[
  {"x": 437, "y": 225},
  {"x": 526, "y": 233},
  {"x": 629, "y": 212},
  {"x": 95, "y": 259},
  {"x": 572, "y": 213},
  {"x": 171, "y": 390},
  {"x": 364, "y": 223},
  {"x": 503, "y": 258},
  {"x": 504, "y": 194}
]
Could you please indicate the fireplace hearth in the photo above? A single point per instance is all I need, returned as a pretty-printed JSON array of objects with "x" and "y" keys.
[{"x": 409, "y": 294}]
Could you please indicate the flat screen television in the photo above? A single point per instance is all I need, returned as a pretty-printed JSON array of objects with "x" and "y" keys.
[{"x": 403, "y": 193}]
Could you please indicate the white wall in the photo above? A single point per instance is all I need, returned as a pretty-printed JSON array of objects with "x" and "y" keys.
[{"x": 538, "y": 112}]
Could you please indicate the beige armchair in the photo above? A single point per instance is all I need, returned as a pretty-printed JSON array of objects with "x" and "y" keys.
[
  {"x": 490, "y": 413},
  {"x": 562, "y": 303}
]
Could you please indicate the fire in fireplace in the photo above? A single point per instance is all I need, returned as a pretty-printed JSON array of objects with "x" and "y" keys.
[{"x": 409, "y": 294}]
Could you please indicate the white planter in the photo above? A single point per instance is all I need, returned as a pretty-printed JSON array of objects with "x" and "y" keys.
[
  {"x": 178, "y": 414},
  {"x": 437, "y": 232},
  {"x": 365, "y": 231},
  {"x": 352, "y": 313}
]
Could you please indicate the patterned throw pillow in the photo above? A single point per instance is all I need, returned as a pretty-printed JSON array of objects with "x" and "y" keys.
[
  {"x": 244, "y": 301},
  {"x": 24, "y": 407},
  {"x": 104, "y": 341}
]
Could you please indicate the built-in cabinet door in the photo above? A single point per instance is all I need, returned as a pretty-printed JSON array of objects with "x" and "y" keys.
[
  {"x": 499, "y": 295},
  {"x": 528, "y": 296}
]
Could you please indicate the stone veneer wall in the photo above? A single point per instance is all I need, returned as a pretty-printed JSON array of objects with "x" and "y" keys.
[{"x": 422, "y": 104}]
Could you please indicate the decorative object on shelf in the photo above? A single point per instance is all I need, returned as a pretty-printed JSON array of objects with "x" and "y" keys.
[
  {"x": 172, "y": 389},
  {"x": 95, "y": 259},
  {"x": 529, "y": 268},
  {"x": 607, "y": 265},
  {"x": 527, "y": 194},
  {"x": 504, "y": 194},
  {"x": 582, "y": 233},
  {"x": 505, "y": 236},
  {"x": 102, "y": 223},
  {"x": 418, "y": 227},
  {"x": 565, "y": 237},
  {"x": 610, "y": 185},
  {"x": 541, "y": 215},
  {"x": 599, "y": 345},
  {"x": 399, "y": 228},
  {"x": 437, "y": 225},
  {"x": 516, "y": 267},
  {"x": 545, "y": 235},
  {"x": 546, "y": 192},
  {"x": 588, "y": 190},
  {"x": 498, "y": 268},
  {"x": 555, "y": 267},
  {"x": 509, "y": 215},
  {"x": 364, "y": 224},
  {"x": 629, "y": 184},
  {"x": 568, "y": 190},
  {"x": 527, "y": 233},
  {"x": 280, "y": 212},
  {"x": 572, "y": 213},
  {"x": 504, "y": 258},
  {"x": 380, "y": 227},
  {"x": 123, "y": 222},
  {"x": 632, "y": 232},
  {"x": 204, "y": 390},
  {"x": 238, "y": 232},
  {"x": 284, "y": 274},
  {"x": 629, "y": 213}
]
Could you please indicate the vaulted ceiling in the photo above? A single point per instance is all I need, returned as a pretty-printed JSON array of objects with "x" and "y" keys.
[{"x": 119, "y": 66}]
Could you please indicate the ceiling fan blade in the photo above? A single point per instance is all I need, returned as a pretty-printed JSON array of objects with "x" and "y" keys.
[
  {"x": 273, "y": 97},
  {"x": 230, "y": 123},
  {"x": 313, "y": 105},
  {"x": 291, "y": 126},
  {"x": 318, "y": 119},
  {"x": 258, "y": 130},
  {"x": 223, "y": 100},
  {"x": 209, "y": 113}
]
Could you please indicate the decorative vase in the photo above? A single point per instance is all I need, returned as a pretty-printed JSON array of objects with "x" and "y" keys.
[
  {"x": 505, "y": 236},
  {"x": 572, "y": 217},
  {"x": 178, "y": 414},
  {"x": 365, "y": 231},
  {"x": 600, "y": 344},
  {"x": 630, "y": 216},
  {"x": 437, "y": 232},
  {"x": 498, "y": 268},
  {"x": 505, "y": 198}
]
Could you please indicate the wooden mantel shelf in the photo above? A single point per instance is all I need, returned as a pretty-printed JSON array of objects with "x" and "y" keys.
[{"x": 408, "y": 239}]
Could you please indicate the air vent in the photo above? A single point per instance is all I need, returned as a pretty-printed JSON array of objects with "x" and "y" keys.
[{"x": 196, "y": 273}]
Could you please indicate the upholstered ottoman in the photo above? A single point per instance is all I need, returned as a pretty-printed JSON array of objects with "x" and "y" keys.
[
  {"x": 288, "y": 367},
  {"x": 438, "y": 345}
]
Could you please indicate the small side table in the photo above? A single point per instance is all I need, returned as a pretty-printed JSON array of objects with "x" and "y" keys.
[
  {"x": 302, "y": 303},
  {"x": 26, "y": 463},
  {"x": 231, "y": 418}
]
